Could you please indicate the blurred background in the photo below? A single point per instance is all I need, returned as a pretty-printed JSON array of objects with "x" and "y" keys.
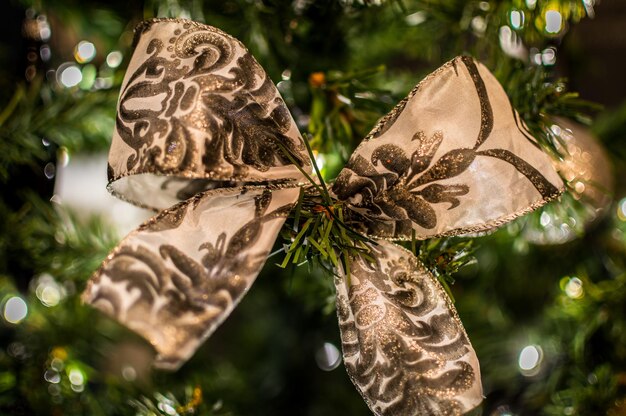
[{"x": 543, "y": 299}]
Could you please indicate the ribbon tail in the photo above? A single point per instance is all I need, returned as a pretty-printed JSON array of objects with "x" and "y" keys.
[
  {"x": 176, "y": 278},
  {"x": 404, "y": 346}
]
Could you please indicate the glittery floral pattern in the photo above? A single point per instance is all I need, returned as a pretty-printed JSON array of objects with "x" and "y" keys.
[
  {"x": 404, "y": 346},
  {"x": 195, "y": 103},
  {"x": 403, "y": 184},
  {"x": 177, "y": 277},
  {"x": 200, "y": 137}
]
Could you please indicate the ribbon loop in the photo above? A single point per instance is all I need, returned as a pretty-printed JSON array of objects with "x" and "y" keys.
[
  {"x": 176, "y": 278},
  {"x": 451, "y": 158},
  {"x": 196, "y": 109}
]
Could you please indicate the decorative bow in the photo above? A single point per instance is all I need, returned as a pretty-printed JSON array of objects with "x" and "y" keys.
[{"x": 200, "y": 122}]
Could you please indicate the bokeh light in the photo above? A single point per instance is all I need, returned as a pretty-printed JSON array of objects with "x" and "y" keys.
[
  {"x": 589, "y": 4},
  {"x": 516, "y": 18},
  {"x": 574, "y": 288},
  {"x": 15, "y": 310},
  {"x": 328, "y": 357},
  {"x": 502, "y": 410},
  {"x": 44, "y": 27},
  {"x": 129, "y": 373},
  {"x": 554, "y": 21},
  {"x": 479, "y": 24},
  {"x": 70, "y": 76},
  {"x": 49, "y": 291},
  {"x": 545, "y": 219},
  {"x": 77, "y": 378},
  {"x": 45, "y": 52},
  {"x": 415, "y": 19},
  {"x": 548, "y": 56},
  {"x": 52, "y": 376},
  {"x": 84, "y": 52},
  {"x": 320, "y": 160},
  {"x": 114, "y": 59},
  {"x": 530, "y": 360},
  {"x": 49, "y": 170},
  {"x": 621, "y": 209}
]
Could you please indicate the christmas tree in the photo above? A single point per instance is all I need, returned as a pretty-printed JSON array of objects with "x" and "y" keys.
[{"x": 541, "y": 298}]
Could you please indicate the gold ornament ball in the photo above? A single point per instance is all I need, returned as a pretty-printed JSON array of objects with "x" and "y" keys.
[{"x": 587, "y": 172}]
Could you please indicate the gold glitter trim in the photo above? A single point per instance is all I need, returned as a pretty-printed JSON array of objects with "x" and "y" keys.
[{"x": 146, "y": 25}]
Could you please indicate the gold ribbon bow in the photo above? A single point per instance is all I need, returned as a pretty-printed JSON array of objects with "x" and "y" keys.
[{"x": 200, "y": 122}]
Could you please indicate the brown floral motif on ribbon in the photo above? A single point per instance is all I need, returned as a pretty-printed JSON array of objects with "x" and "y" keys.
[
  {"x": 407, "y": 187},
  {"x": 404, "y": 347},
  {"x": 205, "y": 83}
]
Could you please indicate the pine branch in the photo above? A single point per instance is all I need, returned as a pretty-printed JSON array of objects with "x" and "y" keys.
[{"x": 75, "y": 120}]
